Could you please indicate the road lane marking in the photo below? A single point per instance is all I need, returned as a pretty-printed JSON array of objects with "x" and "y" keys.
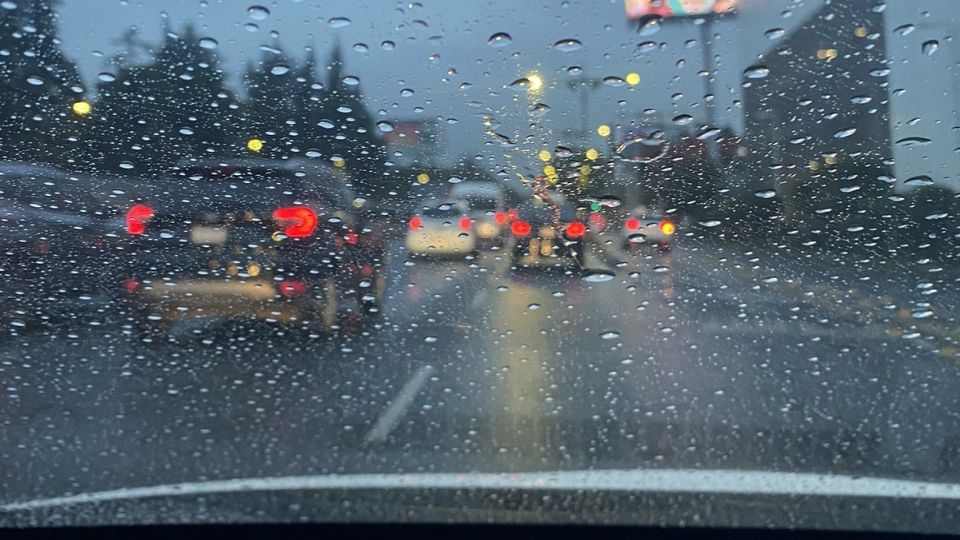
[
  {"x": 397, "y": 408},
  {"x": 701, "y": 481}
]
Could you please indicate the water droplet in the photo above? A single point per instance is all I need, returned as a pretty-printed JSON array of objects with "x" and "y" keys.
[
  {"x": 930, "y": 47},
  {"x": 126, "y": 165},
  {"x": 614, "y": 81},
  {"x": 775, "y": 33},
  {"x": 756, "y": 72},
  {"x": 647, "y": 46},
  {"x": 186, "y": 131},
  {"x": 431, "y": 339},
  {"x": 661, "y": 268},
  {"x": 904, "y": 29},
  {"x": 562, "y": 152},
  {"x": 166, "y": 234},
  {"x": 880, "y": 72},
  {"x": 500, "y": 39},
  {"x": 385, "y": 127},
  {"x": 710, "y": 223},
  {"x": 597, "y": 275},
  {"x": 610, "y": 334},
  {"x": 860, "y": 100},
  {"x": 844, "y": 133},
  {"x": 107, "y": 77},
  {"x": 682, "y": 119},
  {"x": 208, "y": 43},
  {"x": 350, "y": 80},
  {"x": 326, "y": 124},
  {"x": 280, "y": 69},
  {"x": 533, "y": 307},
  {"x": 650, "y": 26},
  {"x": 502, "y": 288},
  {"x": 8, "y": 4},
  {"x": 388, "y": 45},
  {"x": 406, "y": 92},
  {"x": 520, "y": 84},
  {"x": 454, "y": 180},
  {"x": 567, "y": 45},
  {"x": 574, "y": 70},
  {"x": 251, "y": 27},
  {"x": 258, "y": 13},
  {"x": 338, "y": 22},
  {"x": 540, "y": 108},
  {"x": 922, "y": 314},
  {"x": 707, "y": 133},
  {"x": 913, "y": 141},
  {"x": 921, "y": 180},
  {"x": 765, "y": 193},
  {"x": 312, "y": 153},
  {"x": 361, "y": 47},
  {"x": 34, "y": 80},
  {"x": 643, "y": 149}
]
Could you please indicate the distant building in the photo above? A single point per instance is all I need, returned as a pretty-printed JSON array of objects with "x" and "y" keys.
[
  {"x": 413, "y": 143},
  {"x": 818, "y": 99}
]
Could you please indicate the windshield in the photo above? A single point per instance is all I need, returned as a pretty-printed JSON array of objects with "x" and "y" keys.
[{"x": 605, "y": 257}]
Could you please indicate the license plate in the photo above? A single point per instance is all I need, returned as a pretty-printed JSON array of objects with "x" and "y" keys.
[{"x": 208, "y": 235}]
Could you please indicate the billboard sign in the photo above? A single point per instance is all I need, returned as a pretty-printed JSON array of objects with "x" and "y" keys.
[{"x": 638, "y": 9}]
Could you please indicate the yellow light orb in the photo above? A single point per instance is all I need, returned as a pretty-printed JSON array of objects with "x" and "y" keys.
[
  {"x": 633, "y": 79},
  {"x": 339, "y": 163},
  {"x": 603, "y": 130},
  {"x": 544, "y": 155},
  {"x": 423, "y": 178},
  {"x": 584, "y": 170},
  {"x": 553, "y": 179},
  {"x": 592, "y": 154},
  {"x": 549, "y": 170},
  {"x": 536, "y": 82},
  {"x": 254, "y": 145},
  {"x": 81, "y": 107}
]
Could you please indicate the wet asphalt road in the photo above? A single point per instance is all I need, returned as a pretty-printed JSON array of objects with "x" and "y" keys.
[{"x": 707, "y": 356}]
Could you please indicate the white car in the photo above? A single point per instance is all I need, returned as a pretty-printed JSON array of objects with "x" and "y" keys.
[
  {"x": 441, "y": 228},
  {"x": 646, "y": 226}
]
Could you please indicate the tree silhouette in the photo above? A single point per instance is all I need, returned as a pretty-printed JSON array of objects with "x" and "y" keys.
[{"x": 38, "y": 85}]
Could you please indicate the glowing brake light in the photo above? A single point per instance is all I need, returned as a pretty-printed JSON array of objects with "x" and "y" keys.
[
  {"x": 297, "y": 221},
  {"x": 512, "y": 214},
  {"x": 667, "y": 227},
  {"x": 633, "y": 223},
  {"x": 576, "y": 229},
  {"x": 520, "y": 228},
  {"x": 465, "y": 223},
  {"x": 289, "y": 289},
  {"x": 416, "y": 222},
  {"x": 137, "y": 218},
  {"x": 500, "y": 218}
]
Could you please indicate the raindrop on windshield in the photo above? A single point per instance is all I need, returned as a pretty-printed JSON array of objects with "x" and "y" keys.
[
  {"x": 361, "y": 47},
  {"x": 921, "y": 180},
  {"x": 904, "y": 29},
  {"x": 258, "y": 13},
  {"x": 339, "y": 22},
  {"x": 766, "y": 193},
  {"x": 385, "y": 127},
  {"x": 844, "y": 133},
  {"x": 597, "y": 275},
  {"x": 682, "y": 119},
  {"x": 34, "y": 80},
  {"x": 500, "y": 39},
  {"x": 913, "y": 141},
  {"x": 567, "y": 45},
  {"x": 775, "y": 33},
  {"x": 930, "y": 47},
  {"x": 209, "y": 43},
  {"x": 350, "y": 80},
  {"x": 280, "y": 69},
  {"x": 756, "y": 72},
  {"x": 388, "y": 45},
  {"x": 107, "y": 77},
  {"x": 613, "y": 81}
]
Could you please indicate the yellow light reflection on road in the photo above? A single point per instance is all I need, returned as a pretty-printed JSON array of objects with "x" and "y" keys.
[
  {"x": 536, "y": 82},
  {"x": 254, "y": 145}
]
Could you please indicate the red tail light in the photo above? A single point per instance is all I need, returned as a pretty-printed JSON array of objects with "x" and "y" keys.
[
  {"x": 351, "y": 238},
  {"x": 500, "y": 218},
  {"x": 576, "y": 229},
  {"x": 633, "y": 223},
  {"x": 520, "y": 228},
  {"x": 416, "y": 222},
  {"x": 131, "y": 285},
  {"x": 297, "y": 221},
  {"x": 465, "y": 223},
  {"x": 667, "y": 227},
  {"x": 137, "y": 218},
  {"x": 289, "y": 289}
]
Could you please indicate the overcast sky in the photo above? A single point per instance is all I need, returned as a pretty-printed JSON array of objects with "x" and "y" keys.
[{"x": 434, "y": 36}]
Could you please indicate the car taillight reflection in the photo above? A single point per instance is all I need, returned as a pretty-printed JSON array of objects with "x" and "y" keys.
[
  {"x": 465, "y": 223},
  {"x": 500, "y": 218},
  {"x": 576, "y": 229},
  {"x": 297, "y": 221},
  {"x": 351, "y": 238},
  {"x": 289, "y": 289},
  {"x": 667, "y": 227},
  {"x": 520, "y": 227},
  {"x": 416, "y": 222},
  {"x": 137, "y": 218},
  {"x": 633, "y": 223}
]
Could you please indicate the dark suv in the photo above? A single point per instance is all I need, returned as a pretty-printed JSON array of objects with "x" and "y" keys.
[{"x": 278, "y": 241}]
